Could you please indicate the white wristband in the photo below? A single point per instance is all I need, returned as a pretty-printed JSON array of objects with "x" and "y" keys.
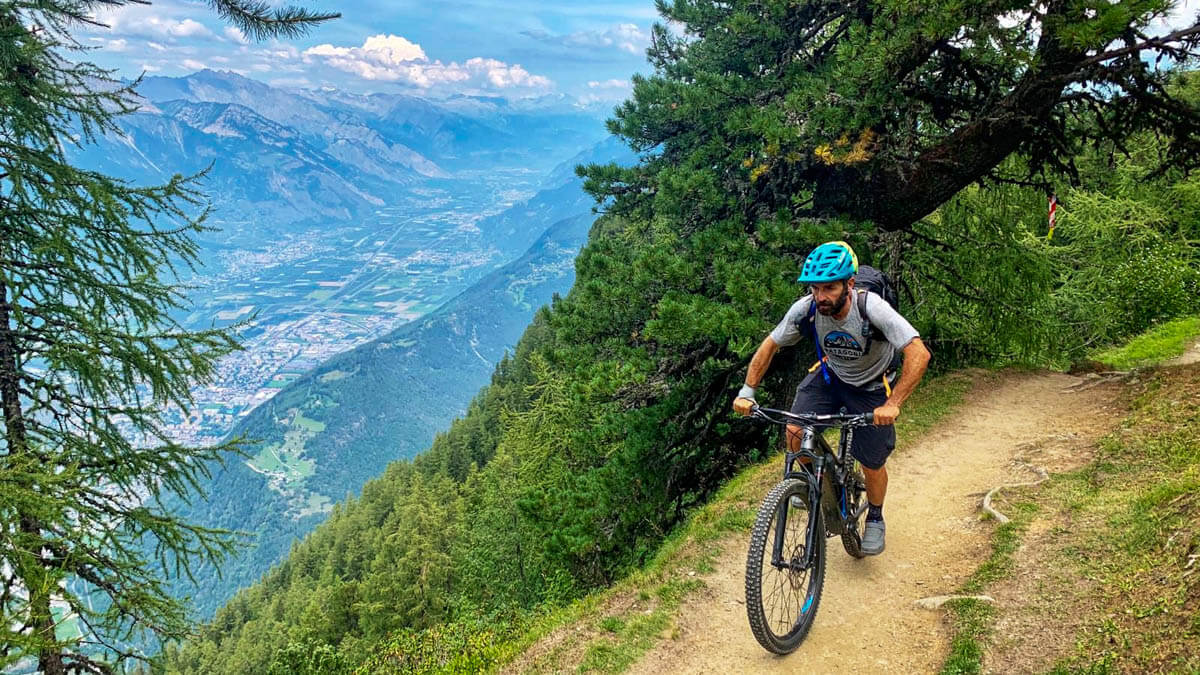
[{"x": 746, "y": 392}]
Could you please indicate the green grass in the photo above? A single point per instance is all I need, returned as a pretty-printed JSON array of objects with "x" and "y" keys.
[
  {"x": 1116, "y": 525},
  {"x": 972, "y": 624},
  {"x": 1005, "y": 542},
  {"x": 308, "y": 424},
  {"x": 1156, "y": 345},
  {"x": 314, "y": 503},
  {"x": 1139, "y": 520},
  {"x": 288, "y": 458},
  {"x": 627, "y": 638},
  {"x": 276, "y": 459}
]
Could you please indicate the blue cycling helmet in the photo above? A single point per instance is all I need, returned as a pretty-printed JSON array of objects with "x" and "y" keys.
[{"x": 832, "y": 261}]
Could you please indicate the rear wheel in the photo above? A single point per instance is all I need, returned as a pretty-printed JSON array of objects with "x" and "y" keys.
[
  {"x": 782, "y": 600},
  {"x": 856, "y": 496}
]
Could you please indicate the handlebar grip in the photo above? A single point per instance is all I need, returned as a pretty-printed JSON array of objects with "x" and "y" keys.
[{"x": 870, "y": 417}]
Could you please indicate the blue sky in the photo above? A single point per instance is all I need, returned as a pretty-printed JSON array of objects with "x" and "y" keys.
[{"x": 584, "y": 50}]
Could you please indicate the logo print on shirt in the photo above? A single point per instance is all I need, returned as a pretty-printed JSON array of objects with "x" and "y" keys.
[{"x": 842, "y": 345}]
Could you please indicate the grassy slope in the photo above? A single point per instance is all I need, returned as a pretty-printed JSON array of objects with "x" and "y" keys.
[
  {"x": 608, "y": 630},
  {"x": 1118, "y": 538},
  {"x": 1154, "y": 346}
]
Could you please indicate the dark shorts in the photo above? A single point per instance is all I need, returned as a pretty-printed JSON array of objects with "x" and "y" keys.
[{"x": 871, "y": 445}]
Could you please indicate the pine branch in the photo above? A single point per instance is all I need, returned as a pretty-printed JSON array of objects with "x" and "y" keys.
[
  {"x": 1163, "y": 42},
  {"x": 258, "y": 20}
]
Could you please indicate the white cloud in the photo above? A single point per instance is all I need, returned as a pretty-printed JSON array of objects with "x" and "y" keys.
[
  {"x": 193, "y": 64},
  {"x": 1180, "y": 16},
  {"x": 284, "y": 52},
  {"x": 186, "y": 28},
  {"x": 609, "y": 84},
  {"x": 146, "y": 67},
  {"x": 236, "y": 35},
  {"x": 604, "y": 91},
  {"x": 136, "y": 20},
  {"x": 154, "y": 26},
  {"x": 156, "y": 47},
  {"x": 392, "y": 58},
  {"x": 627, "y": 37},
  {"x": 119, "y": 45}
]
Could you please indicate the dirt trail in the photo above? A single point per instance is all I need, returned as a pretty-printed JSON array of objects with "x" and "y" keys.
[
  {"x": 868, "y": 621},
  {"x": 1192, "y": 355}
]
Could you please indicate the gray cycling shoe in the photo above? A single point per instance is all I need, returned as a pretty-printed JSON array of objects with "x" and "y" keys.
[{"x": 872, "y": 538}]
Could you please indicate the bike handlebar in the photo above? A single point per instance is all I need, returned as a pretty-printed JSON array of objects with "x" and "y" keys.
[{"x": 812, "y": 419}]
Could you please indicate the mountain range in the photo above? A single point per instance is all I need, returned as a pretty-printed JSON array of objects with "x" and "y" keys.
[{"x": 278, "y": 158}]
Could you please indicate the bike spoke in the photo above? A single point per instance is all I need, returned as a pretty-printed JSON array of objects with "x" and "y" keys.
[{"x": 787, "y": 587}]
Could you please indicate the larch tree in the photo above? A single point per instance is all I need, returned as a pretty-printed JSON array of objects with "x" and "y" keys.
[{"x": 90, "y": 357}]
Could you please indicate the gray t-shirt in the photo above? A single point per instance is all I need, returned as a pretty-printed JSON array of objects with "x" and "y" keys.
[{"x": 842, "y": 341}]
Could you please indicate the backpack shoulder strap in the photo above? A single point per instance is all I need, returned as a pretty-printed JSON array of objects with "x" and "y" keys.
[
  {"x": 808, "y": 321},
  {"x": 866, "y": 320},
  {"x": 811, "y": 317}
]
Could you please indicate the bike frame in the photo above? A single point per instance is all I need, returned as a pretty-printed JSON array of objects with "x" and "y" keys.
[{"x": 821, "y": 459}]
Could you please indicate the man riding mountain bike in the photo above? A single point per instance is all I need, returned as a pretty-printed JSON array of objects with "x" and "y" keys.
[{"x": 853, "y": 371}]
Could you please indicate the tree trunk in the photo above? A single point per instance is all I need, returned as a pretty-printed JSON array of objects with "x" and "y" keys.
[
  {"x": 41, "y": 619},
  {"x": 50, "y": 658},
  {"x": 896, "y": 199}
]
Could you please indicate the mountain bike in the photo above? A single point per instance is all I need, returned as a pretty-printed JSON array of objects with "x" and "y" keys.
[{"x": 785, "y": 568}]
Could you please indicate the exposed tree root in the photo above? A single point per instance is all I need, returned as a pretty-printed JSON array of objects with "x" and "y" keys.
[
  {"x": 1091, "y": 380},
  {"x": 936, "y": 601}
]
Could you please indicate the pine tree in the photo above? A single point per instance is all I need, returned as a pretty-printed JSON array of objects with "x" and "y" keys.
[
  {"x": 881, "y": 110},
  {"x": 90, "y": 357}
]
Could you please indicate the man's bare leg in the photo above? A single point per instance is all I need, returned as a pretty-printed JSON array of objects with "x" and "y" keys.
[
  {"x": 877, "y": 481},
  {"x": 795, "y": 436}
]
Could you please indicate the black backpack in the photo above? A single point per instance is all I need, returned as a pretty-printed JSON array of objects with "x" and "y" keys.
[
  {"x": 866, "y": 279},
  {"x": 870, "y": 279}
]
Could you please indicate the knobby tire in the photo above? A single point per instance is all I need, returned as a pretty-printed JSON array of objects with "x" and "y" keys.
[{"x": 787, "y": 591}]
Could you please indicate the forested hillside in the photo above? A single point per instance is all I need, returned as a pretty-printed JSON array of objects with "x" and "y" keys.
[
  {"x": 913, "y": 137},
  {"x": 337, "y": 426}
]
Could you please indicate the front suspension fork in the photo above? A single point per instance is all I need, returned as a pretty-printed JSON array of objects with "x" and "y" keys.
[{"x": 811, "y": 532}]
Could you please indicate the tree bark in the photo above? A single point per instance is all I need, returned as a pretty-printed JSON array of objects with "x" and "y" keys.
[
  {"x": 900, "y": 196},
  {"x": 41, "y": 619}
]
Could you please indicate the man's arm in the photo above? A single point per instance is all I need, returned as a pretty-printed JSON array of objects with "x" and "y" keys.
[
  {"x": 916, "y": 359},
  {"x": 754, "y": 375}
]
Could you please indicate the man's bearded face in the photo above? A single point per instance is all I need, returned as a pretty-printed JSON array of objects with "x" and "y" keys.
[{"x": 831, "y": 296}]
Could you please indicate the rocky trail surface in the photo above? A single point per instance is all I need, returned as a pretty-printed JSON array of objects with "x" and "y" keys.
[{"x": 869, "y": 618}]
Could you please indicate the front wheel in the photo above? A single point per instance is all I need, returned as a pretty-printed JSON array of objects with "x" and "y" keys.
[{"x": 782, "y": 599}]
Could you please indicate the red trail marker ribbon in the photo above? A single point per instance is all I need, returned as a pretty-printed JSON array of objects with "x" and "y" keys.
[{"x": 1051, "y": 216}]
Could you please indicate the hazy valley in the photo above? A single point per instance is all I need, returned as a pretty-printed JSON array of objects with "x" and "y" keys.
[{"x": 370, "y": 248}]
